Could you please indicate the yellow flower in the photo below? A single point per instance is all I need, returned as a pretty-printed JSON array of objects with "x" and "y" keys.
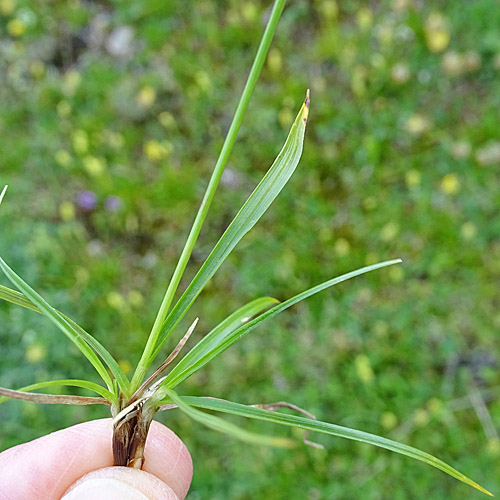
[
  {"x": 364, "y": 18},
  {"x": 342, "y": 247},
  {"x": 166, "y": 119},
  {"x": 135, "y": 298},
  {"x": 364, "y": 369},
  {"x": 116, "y": 301},
  {"x": 468, "y": 231},
  {"x": 389, "y": 232},
  {"x": 67, "y": 211},
  {"x": 16, "y": 27},
  {"x": 329, "y": 10},
  {"x": 274, "y": 60},
  {"x": 203, "y": 81},
  {"x": 417, "y": 124},
  {"x": 71, "y": 82},
  {"x": 285, "y": 117},
  {"x": 37, "y": 68},
  {"x": 450, "y": 184},
  {"x": 421, "y": 417},
  {"x": 80, "y": 141},
  {"x": 7, "y": 7},
  {"x": 156, "y": 150},
  {"x": 63, "y": 108},
  {"x": 388, "y": 420},
  {"x": 94, "y": 165},
  {"x": 250, "y": 12},
  {"x": 35, "y": 353},
  {"x": 396, "y": 274},
  {"x": 146, "y": 97},
  {"x": 62, "y": 158},
  {"x": 412, "y": 178},
  {"x": 437, "y": 32}
]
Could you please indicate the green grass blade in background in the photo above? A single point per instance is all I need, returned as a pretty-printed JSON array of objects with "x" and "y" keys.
[
  {"x": 18, "y": 298},
  {"x": 209, "y": 350},
  {"x": 84, "y": 384},
  {"x": 84, "y": 341},
  {"x": 253, "y": 209},
  {"x": 326, "y": 428},
  {"x": 188, "y": 364},
  {"x": 228, "y": 428},
  {"x": 2, "y": 194}
]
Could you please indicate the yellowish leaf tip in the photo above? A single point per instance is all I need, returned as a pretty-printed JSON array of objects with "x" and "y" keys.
[{"x": 307, "y": 101}]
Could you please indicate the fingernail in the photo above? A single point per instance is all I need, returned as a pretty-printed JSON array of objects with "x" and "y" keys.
[
  {"x": 119, "y": 483},
  {"x": 104, "y": 488}
]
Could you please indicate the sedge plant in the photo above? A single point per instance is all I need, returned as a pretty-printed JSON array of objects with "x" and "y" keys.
[{"x": 134, "y": 402}]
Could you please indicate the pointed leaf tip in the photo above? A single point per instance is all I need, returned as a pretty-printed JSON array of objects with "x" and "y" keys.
[{"x": 308, "y": 100}]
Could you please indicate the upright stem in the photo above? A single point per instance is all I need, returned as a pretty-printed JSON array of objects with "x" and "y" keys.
[{"x": 265, "y": 43}]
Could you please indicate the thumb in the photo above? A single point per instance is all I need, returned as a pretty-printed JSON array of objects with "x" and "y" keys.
[{"x": 119, "y": 483}]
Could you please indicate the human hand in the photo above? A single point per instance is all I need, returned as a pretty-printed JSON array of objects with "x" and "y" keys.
[{"x": 51, "y": 467}]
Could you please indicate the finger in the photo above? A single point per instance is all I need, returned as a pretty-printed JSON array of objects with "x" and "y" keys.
[{"x": 45, "y": 468}]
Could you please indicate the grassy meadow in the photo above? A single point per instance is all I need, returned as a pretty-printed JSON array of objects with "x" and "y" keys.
[{"x": 112, "y": 115}]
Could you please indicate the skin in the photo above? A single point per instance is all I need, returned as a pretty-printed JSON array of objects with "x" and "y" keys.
[{"x": 48, "y": 467}]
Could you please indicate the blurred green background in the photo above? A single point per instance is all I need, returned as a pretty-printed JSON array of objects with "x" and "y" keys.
[{"x": 112, "y": 114}]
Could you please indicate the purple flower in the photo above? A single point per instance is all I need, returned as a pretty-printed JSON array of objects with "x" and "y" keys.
[
  {"x": 113, "y": 203},
  {"x": 86, "y": 200}
]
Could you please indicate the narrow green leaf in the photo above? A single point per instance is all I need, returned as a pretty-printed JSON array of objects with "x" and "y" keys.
[
  {"x": 84, "y": 384},
  {"x": 215, "y": 178},
  {"x": 189, "y": 363},
  {"x": 87, "y": 344},
  {"x": 253, "y": 209},
  {"x": 228, "y": 428},
  {"x": 326, "y": 428},
  {"x": 218, "y": 344},
  {"x": 17, "y": 298}
]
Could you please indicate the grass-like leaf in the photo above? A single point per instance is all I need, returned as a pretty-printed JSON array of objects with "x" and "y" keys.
[
  {"x": 253, "y": 209},
  {"x": 325, "y": 428},
  {"x": 190, "y": 363},
  {"x": 215, "y": 178},
  {"x": 84, "y": 384},
  {"x": 228, "y": 428},
  {"x": 2, "y": 194},
  {"x": 18, "y": 298},
  {"x": 206, "y": 350},
  {"x": 83, "y": 340}
]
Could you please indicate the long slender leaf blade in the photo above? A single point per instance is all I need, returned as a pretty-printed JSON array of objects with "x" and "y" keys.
[
  {"x": 228, "y": 428},
  {"x": 188, "y": 364},
  {"x": 84, "y": 384},
  {"x": 18, "y": 298},
  {"x": 210, "y": 350},
  {"x": 253, "y": 209},
  {"x": 326, "y": 428},
  {"x": 74, "y": 332}
]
